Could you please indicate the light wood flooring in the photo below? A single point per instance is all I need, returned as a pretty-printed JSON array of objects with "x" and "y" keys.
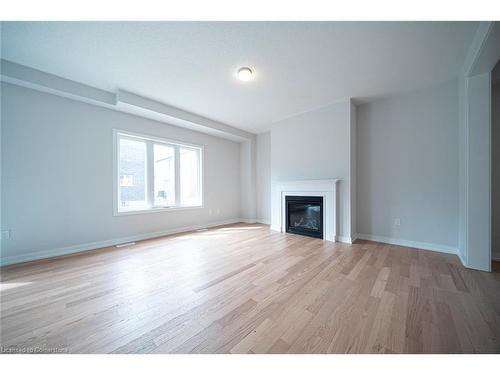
[{"x": 245, "y": 289}]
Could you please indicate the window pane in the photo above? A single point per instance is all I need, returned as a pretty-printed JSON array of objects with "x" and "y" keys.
[
  {"x": 132, "y": 174},
  {"x": 190, "y": 177},
  {"x": 164, "y": 172}
]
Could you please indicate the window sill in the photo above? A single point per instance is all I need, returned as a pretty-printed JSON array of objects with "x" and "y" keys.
[{"x": 153, "y": 210}]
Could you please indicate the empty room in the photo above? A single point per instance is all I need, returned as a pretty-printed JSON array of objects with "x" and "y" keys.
[{"x": 293, "y": 187}]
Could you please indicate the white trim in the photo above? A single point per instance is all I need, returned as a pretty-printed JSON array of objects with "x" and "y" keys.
[
  {"x": 326, "y": 188},
  {"x": 490, "y": 163},
  {"x": 461, "y": 258},
  {"x": 406, "y": 243},
  {"x": 464, "y": 258},
  {"x": 147, "y": 137},
  {"x": 346, "y": 239},
  {"x": 106, "y": 243}
]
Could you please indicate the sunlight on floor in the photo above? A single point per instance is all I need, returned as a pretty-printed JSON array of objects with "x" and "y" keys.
[
  {"x": 7, "y": 286},
  {"x": 238, "y": 228},
  {"x": 207, "y": 235},
  {"x": 218, "y": 232}
]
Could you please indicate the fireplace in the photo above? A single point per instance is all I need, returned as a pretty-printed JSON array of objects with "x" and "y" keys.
[
  {"x": 304, "y": 215},
  {"x": 325, "y": 188}
]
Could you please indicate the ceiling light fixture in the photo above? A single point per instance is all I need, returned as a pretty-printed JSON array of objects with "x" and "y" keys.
[{"x": 245, "y": 74}]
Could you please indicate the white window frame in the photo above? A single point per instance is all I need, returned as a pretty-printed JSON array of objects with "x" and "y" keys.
[{"x": 150, "y": 141}]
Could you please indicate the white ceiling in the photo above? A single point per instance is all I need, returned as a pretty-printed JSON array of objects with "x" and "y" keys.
[{"x": 299, "y": 66}]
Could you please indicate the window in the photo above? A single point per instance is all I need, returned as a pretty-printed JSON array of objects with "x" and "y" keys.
[
  {"x": 132, "y": 167},
  {"x": 156, "y": 174},
  {"x": 190, "y": 177},
  {"x": 164, "y": 172}
]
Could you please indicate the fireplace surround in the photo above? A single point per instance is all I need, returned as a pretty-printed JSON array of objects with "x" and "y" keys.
[{"x": 325, "y": 188}]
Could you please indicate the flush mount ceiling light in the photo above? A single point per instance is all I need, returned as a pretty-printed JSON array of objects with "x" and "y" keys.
[{"x": 245, "y": 74}]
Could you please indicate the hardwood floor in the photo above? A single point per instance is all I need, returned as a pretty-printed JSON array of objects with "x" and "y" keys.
[{"x": 246, "y": 289}]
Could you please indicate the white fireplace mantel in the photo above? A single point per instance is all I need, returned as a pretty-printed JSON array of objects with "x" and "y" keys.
[{"x": 326, "y": 188}]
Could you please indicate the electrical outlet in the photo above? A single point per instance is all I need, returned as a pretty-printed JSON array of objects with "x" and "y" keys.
[
  {"x": 397, "y": 222},
  {"x": 5, "y": 234}
]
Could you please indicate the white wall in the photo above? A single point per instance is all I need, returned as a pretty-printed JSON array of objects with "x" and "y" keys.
[
  {"x": 316, "y": 145},
  {"x": 263, "y": 177},
  {"x": 407, "y": 167},
  {"x": 495, "y": 170},
  {"x": 57, "y": 175},
  {"x": 247, "y": 180}
]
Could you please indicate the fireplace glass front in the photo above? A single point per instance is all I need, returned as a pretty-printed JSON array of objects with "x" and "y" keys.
[{"x": 304, "y": 215}]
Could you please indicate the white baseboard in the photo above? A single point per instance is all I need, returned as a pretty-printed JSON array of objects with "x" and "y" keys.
[
  {"x": 406, "y": 243},
  {"x": 264, "y": 221},
  {"x": 464, "y": 263},
  {"x": 100, "y": 244},
  {"x": 345, "y": 239}
]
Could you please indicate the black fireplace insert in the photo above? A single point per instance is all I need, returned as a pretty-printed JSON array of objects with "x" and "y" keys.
[{"x": 304, "y": 215}]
